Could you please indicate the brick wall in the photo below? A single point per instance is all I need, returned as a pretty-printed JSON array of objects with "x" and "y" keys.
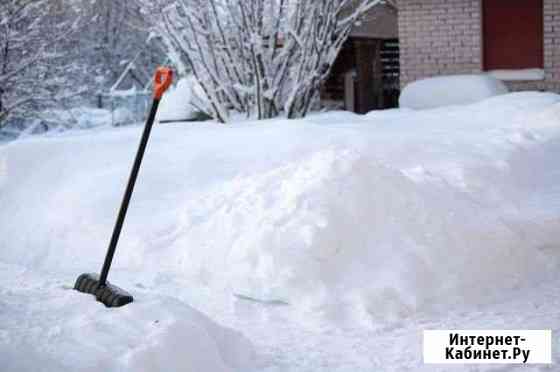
[
  {"x": 552, "y": 44},
  {"x": 442, "y": 37},
  {"x": 439, "y": 37}
]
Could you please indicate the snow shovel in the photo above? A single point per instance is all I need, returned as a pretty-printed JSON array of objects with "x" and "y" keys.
[{"x": 97, "y": 285}]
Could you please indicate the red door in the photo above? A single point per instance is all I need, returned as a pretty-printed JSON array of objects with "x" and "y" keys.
[{"x": 513, "y": 34}]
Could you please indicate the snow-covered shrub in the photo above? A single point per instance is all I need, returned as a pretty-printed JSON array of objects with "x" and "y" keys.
[
  {"x": 262, "y": 57},
  {"x": 450, "y": 90},
  {"x": 184, "y": 102}
]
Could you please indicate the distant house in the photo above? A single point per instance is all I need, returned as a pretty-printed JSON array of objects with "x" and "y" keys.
[
  {"x": 518, "y": 41},
  {"x": 365, "y": 75}
]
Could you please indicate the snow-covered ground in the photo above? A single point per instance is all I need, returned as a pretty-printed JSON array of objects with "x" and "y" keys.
[{"x": 354, "y": 233}]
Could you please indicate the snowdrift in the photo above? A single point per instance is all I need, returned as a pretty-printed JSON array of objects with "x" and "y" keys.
[
  {"x": 450, "y": 90},
  {"x": 47, "y": 327},
  {"x": 372, "y": 217}
]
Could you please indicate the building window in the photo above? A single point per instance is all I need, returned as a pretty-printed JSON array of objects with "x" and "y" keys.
[{"x": 513, "y": 34}]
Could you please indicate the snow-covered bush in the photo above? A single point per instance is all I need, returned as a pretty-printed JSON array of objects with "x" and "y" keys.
[
  {"x": 450, "y": 90},
  {"x": 259, "y": 57},
  {"x": 184, "y": 102}
]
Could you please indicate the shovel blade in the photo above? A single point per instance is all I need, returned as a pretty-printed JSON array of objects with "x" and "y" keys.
[{"x": 108, "y": 294}]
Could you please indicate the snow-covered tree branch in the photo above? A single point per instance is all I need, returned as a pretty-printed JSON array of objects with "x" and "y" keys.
[
  {"x": 260, "y": 57},
  {"x": 30, "y": 58},
  {"x": 114, "y": 37}
]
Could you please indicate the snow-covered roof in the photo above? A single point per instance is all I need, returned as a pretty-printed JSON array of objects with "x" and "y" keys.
[{"x": 380, "y": 23}]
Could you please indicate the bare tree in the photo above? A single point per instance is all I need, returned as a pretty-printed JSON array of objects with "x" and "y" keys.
[
  {"x": 30, "y": 62},
  {"x": 260, "y": 57},
  {"x": 115, "y": 35}
]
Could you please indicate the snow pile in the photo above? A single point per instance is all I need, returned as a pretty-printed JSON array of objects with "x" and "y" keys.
[
  {"x": 450, "y": 90},
  {"x": 357, "y": 218},
  {"x": 47, "y": 324},
  {"x": 81, "y": 117},
  {"x": 57, "y": 121}
]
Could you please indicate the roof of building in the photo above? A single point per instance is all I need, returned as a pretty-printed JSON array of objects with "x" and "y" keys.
[{"x": 380, "y": 23}]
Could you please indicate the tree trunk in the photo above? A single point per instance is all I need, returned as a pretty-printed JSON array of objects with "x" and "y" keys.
[{"x": 3, "y": 71}]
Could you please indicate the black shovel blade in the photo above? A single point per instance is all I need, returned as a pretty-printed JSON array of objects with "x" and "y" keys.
[{"x": 108, "y": 294}]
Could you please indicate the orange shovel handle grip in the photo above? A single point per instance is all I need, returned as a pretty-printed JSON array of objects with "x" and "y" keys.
[{"x": 162, "y": 81}]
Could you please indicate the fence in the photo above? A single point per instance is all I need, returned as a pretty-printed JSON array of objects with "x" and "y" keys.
[{"x": 127, "y": 107}]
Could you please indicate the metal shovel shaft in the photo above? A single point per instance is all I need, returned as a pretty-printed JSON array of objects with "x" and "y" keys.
[{"x": 128, "y": 194}]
